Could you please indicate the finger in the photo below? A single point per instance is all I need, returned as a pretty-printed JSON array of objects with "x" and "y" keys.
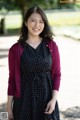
[
  {"x": 11, "y": 117},
  {"x": 49, "y": 111},
  {"x": 47, "y": 108}
]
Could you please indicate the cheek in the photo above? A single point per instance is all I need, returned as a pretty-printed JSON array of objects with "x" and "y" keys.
[
  {"x": 43, "y": 26},
  {"x": 30, "y": 23},
  {"x": 30, "y": 26}
]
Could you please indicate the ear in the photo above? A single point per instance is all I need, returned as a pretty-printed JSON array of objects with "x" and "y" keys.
[{"x": 25, "y": 23}]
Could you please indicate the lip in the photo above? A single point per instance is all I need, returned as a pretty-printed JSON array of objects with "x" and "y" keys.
[{"x": 35, "y": 29}]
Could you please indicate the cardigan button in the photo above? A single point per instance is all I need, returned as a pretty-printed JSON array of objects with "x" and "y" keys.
[{"x": 46, "y": 45}]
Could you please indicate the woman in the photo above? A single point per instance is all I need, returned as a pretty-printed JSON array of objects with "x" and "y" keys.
[{"x": 34, "y": 71}]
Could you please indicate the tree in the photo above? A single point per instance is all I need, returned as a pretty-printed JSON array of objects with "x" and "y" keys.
[{"x": 22, "y": 5}]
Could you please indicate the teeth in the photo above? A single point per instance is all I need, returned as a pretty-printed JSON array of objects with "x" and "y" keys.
[{"x": 36, "y": 29}]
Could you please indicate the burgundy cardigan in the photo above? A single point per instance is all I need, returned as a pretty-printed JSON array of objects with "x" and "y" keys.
[{"x": 15, "y": 53}]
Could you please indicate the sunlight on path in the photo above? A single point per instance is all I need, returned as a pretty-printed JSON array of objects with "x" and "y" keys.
[{"x": 69, "y": 94}]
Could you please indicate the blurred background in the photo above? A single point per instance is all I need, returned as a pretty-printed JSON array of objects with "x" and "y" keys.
[{"x": 64, "y": 19}]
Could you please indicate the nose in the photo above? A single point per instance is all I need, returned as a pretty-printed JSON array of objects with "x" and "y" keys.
[{"x": 37, "y": 24}]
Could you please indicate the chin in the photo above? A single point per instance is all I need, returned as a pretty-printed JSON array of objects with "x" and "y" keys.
[{"x": 36, "y": 34}]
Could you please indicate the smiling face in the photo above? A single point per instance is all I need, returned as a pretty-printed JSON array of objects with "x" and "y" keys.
[{"x": 35, "y": 24}]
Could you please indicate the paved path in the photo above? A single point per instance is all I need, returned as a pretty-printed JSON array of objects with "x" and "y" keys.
[
  {"x": 69, "y": 94},
  {"x": 70, "y": 67},
  {"x": 5, "y": 44}
]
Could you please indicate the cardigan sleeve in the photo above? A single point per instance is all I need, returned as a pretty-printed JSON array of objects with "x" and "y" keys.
[
  {"x": 56, "y": 70},
  {"x": 11, "y": 81}
]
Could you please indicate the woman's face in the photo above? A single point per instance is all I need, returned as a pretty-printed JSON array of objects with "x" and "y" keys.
[{"x": 35, "y": 24}]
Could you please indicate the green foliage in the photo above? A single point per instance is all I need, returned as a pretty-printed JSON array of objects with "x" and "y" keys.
[
  {"x": 20, "y": 4},
  {"x": 64, "y": 18},
  {"x": 77, "y": 5}
]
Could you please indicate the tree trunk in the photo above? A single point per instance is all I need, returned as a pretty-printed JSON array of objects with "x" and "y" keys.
[{"x": 22, "y": 5}]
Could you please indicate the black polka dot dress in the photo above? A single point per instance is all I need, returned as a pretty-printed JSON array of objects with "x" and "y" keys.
[{"x": 36, "y": 84}]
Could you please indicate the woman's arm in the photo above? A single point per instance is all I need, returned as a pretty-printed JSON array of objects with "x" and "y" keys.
[
  {"x": 9, "y": 102},
  {"x": 54, "y": 95},
  {"x": 11, "y": 64},
  {"x": 56, "y": 76},
  {"x": 11, "y": 84}
]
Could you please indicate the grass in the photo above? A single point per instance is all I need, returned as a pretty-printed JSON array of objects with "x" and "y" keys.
[
  {"x": 64, "y": 18},
  {"x": 13, "y": 21}
]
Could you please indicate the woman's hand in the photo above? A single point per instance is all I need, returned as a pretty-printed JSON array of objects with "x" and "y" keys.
[
  {"x": 51, "y": 104},
  {"x": 9, "y": 108},
  {"x": 10, "y": 115},
  {"x": 50, "y": 107}
]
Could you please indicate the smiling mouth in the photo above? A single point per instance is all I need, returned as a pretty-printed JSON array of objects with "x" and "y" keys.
[{"x": 36, "y": 30}]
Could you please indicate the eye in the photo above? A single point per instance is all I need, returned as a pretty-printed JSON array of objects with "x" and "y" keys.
[
  {"x": 33, "y": 20},
  {"x": 41, "y": 21}
]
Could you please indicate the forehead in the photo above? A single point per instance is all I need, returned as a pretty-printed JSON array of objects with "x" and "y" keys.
[{"x": 35, "y": 15}]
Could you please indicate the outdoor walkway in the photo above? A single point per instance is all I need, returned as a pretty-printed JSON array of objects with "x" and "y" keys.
[{"x": 69, "y": 94}]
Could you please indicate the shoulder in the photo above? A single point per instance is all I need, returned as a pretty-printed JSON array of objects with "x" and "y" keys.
[
  {"x": 15, "y": 47},
  {"x": 52, "y": 44}
]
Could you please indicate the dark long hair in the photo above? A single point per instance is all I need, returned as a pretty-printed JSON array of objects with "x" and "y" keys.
[{"x": 46, "y": 31}]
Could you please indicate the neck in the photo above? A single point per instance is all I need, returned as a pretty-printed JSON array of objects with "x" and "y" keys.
[{"x": 34, "y": 39}]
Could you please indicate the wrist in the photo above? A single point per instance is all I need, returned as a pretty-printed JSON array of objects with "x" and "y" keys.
[
  {"x": 54, "y": 95},
  {"x": 53, "y": 99},
  {"x": 9, "y": 107}
]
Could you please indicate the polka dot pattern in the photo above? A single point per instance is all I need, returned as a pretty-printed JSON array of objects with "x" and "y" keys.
[{"x": 36, "y": 83}]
